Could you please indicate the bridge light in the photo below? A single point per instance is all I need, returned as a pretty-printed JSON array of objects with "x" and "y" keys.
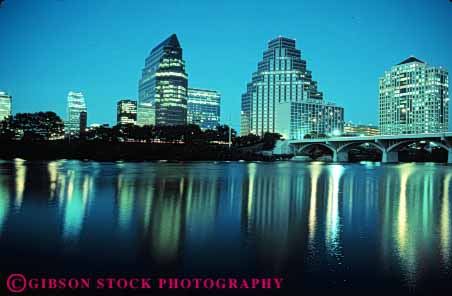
[{"x": 336, "y": 132}]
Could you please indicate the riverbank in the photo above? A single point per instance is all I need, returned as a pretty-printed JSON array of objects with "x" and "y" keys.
[{"x": 113, "y": 151}]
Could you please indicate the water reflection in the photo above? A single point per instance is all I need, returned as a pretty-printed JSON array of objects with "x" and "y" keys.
[
  {"x": 278, "y": 217},
  {"x": 4, "y": 201},
  {"x": 332, "y": 217},
  {"x": 167, "y": 220},
  {"x": 77, "y": 190},
  {"x": 21, "y": 171},
  {"x": 315, "y": 173},
  {"x": 445, "y": 229}
]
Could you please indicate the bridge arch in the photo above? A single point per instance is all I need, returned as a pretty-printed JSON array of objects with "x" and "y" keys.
[
  {"x": 304, "y": 147},
  {"x": 396, "y": 146},
  {"x": 346, "y": 147}
]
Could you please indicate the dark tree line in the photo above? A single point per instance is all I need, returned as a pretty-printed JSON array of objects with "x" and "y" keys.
[
  {"x": 44, "y": 126},
  {"x": 188, "y": 134},
  {"x": 38, "y": 126}
]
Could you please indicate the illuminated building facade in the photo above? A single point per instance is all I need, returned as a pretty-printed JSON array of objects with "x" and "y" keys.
[
  {"x": 351, "y": 129},
  {"x": 126, "y": 112},
  {"x": 146, "y": 114},
  {"x": 5, "y": 105},
  {"x": 164, "y": 83},
  {"x": 75, "y": 106},
  {"x": 414, "y": 98},
  {"x": 283, "y": 98},
  {"x": 203, "y": 108}
]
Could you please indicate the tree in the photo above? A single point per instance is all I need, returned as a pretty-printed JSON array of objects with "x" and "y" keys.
[
  {"x": 37, "y": 126},
  {"x": 247, "y": 140},
  {"x": 6, "y": 129},
  {"x": 269, "y": 140}
]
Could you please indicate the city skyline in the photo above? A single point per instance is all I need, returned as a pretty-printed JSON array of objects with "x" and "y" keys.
[{"x": 346, "y": 59}]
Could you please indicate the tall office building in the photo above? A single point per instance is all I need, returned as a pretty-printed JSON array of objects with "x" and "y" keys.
[
  {"x": 145, "y": 114},
  {"x": 203, "y": 108},
  {"x": 414, "y": 98},
  {"x": 5, "y": 105},
  {"x": 283, "y": 98},
  {"x": 126, "y": 112},
  {"x": 164, "y": 83},
  {"x": 75, "y": 106},
  {"x": 83, "y": 121}
]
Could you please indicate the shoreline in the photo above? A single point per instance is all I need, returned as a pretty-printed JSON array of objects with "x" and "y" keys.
[
  {"x": 129, "y": 151},
  {"x": 161, "y": 152}
]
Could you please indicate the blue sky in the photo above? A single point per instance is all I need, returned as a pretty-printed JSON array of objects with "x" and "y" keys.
[{"x": 49, "y": 47}]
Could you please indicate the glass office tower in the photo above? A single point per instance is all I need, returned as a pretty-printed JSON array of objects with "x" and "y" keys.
[
  {"x": 5, "y": 105},
  {"x": 75, "y": 106},
  {"x": 414, "y": 98},
  {"x": 126, "y": 112},
  {"x": 203, "y": 108},
  {"x": 164, "y": 83},
  {"x": 283, "y": 98}
]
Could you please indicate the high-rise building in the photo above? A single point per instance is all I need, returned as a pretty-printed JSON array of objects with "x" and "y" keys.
[
  {"x": 146, "y": 114},
  {"x": 127, "y": 112},
  {"x": 164, "y": 83},
  {"x": 83, "y": 121},
  {"x": 5, "y": 105},
  {"x": 203, "y": 108},
  {"x": 283, "y": 98},
  {"x": 352, "y": 129},
  {"x": 75, "y": 106},
  {"x": 414, "y": 98}
]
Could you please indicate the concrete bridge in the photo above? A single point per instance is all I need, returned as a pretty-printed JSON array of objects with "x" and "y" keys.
[{"x": 388, "y": 145}]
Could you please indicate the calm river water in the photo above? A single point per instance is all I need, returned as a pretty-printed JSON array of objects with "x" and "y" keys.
[{"x": 328, "y": 227}]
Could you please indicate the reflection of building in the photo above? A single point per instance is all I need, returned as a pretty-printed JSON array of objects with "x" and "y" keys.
[
  {"x": 127, "y": 112},
  {"x": 75, "y": 106},
  {"x": 74, "y": 202},
  {"x": 283, "y": 98},
  {"x": 351, "y": 129},
  {"x": 5, "y": 196},
  {"x": 203, "y": 108},
  {"x": 414, "y": 99},
  {"x": 5, "y": 105},
  {"x": 146, "y": 114},
  {"x": 164, "y": 83}
]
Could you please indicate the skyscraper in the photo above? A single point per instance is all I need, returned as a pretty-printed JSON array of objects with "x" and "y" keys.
[
  {"x": 164, "y": 83},
  {"x": 203, "y": 108},
  {"x": 283, "y": 98},
  {"x": 5, "y": 105},
  {"x": 75, "y": 106},
  {"x": 126, "y": 112},
  {"x": 414, "y": 98}
]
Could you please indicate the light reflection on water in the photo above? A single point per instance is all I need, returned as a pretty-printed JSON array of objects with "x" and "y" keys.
[{"x": 290, "y": 218}]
